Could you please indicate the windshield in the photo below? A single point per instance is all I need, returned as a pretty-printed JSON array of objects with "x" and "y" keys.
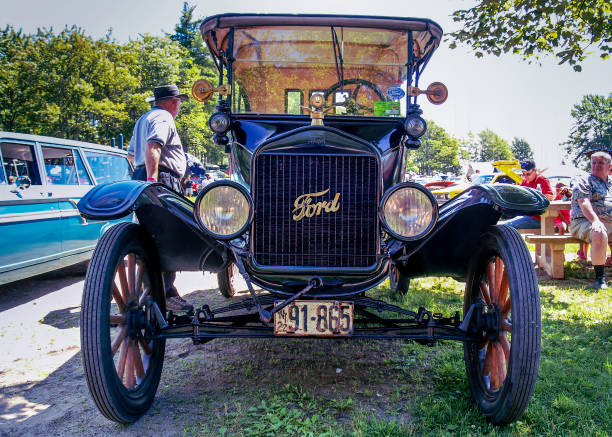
[
  {"x": 483, "y": 179},
  {"x": 277, "y": 69}
]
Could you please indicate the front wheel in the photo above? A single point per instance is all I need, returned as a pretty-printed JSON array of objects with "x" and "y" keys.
[
  {"x": 227, "y": 280},
  {"x": 398, "y": 282},
  {"x": 502, "y": 366},
  {"x": 122, "y": 363}
]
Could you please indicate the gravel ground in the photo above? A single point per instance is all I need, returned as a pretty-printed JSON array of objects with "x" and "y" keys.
[{"x": 42, "y": 386}]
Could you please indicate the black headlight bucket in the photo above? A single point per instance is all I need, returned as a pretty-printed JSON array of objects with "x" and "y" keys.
[
  {"x": 226, "y": 186},
  {"x": 417, "y": 193},
  {"x": 219, "y": 122}
]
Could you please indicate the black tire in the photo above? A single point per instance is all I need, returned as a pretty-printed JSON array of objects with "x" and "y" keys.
[
  {"x": 502, "y": 372},
  {"x": 226, "y": 280},
  {"x": 398, "y": 283},
  {"x": 105, "y": 330}
]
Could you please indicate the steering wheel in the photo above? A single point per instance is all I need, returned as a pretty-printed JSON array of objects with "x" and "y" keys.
[{"x": 352, "y": 99}]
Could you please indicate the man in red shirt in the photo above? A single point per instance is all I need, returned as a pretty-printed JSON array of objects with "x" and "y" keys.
[{"x": 532, "y": 179}]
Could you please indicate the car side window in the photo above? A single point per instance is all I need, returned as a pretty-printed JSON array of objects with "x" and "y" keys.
[
  {"x": 505, "y": 180},
  {"x": 83, "y": 176},
  {"x": 108, "y": 168},
  {"x": 59, "y": 166},
  {"x": 19, "y": 164}
]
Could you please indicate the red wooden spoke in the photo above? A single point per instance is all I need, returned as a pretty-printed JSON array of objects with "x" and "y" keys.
[
  {"x": 484, "y": 291},
  {"x": 131, "y": 260},
  {"x": 118, "y": 341},
  {"x": 140, "y": 372},
  {"x": 503, "y": 289},
  {"x": 143, "y": 296},
  {"x": 494, "y": 368},
  {"x": 125, "y": 291},
  {"x": 486, "y": 367},
  {"x": 129, "y": 365},
  {"x": 506, "y": 307},
  {"x": 505, "y": 345},
  {"x": 139, "y": 280},
  {"x": 118, "y": 299},
  {"x": 501, "y": 363},
  {"x": 122, "y": 359},
  {"x": 143, "y": 344},
  {"x": 506, "y": 325},
  {"x": 491, "y": 280},
  {"x": 499, "y": 273},
  {"x": 117, "y": 319}
]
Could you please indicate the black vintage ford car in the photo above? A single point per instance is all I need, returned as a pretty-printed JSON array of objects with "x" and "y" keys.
[{"x": 318, "y": 114}]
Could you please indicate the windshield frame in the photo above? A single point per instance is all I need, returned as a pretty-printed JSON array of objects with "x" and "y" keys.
[{"x": 221, "y": 45}]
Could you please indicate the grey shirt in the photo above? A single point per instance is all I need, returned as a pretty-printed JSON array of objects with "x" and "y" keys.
[
  {"x": 157, "y": 125},
  {"x": 598, "y": 191}
]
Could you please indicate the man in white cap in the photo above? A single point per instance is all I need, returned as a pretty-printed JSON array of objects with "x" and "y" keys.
[{"x": 157, "y": 153}]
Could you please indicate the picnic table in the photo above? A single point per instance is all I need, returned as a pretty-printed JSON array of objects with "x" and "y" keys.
[{"x": 550, "y": 248}]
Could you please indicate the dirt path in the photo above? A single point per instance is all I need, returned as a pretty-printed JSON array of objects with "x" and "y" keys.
[{"x": 203, "y": 388}]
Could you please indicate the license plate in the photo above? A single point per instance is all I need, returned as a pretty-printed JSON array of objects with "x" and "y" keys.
[{"x": 315, "y": 318}]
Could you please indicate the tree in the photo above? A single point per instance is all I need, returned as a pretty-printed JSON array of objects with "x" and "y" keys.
[
  {"x": 16, "y": 72},
  {"x": 592, "y": 126},
  {"x": 439, "y": 152},
  {"x": 534, "y": 28},
  {"x": 187, "y": 34},
  {"x": 521, "y": 149},
  {"x": 488, "y": 146}
]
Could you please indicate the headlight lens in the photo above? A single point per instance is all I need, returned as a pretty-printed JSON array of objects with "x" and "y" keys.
[
  {"x": 415, "y": 126},
  {"x": 409, "y": 211},
  {"x": 219, "y": 122},
  {"x": 223, "y": 209}
]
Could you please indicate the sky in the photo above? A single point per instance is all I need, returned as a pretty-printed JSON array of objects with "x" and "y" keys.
[{"x": 504, "y": 94}]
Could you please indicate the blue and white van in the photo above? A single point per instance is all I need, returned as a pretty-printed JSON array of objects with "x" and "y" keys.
[{"x": 41, "y": 181}]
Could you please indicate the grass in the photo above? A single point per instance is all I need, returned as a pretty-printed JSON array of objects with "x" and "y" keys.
[{"x": 392, "y": 388}]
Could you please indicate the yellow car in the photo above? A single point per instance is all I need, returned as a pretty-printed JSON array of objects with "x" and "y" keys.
[{"x": 507, "y": 175}]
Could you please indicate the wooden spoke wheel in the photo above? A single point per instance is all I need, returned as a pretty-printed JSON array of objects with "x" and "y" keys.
[
  {"x": 502, "y": 366},
  {"x": 227, "y": 280},
  {"x": 398, "y": 283},
  {"x": 122, "y": 363}
]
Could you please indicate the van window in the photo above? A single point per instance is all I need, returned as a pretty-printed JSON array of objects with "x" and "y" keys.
[
  {"x": 59, "y": 166},
  {"x": 19, "y": 162},
  {"x": 108, "y": 168},
  {"x": 83, "y": 176}
]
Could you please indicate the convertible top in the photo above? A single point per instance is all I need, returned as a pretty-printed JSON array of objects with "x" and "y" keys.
[{"x": 215, "y": 29}]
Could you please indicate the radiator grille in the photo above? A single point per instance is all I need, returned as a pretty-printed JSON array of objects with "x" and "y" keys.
[{"x": 345, "y": 238}]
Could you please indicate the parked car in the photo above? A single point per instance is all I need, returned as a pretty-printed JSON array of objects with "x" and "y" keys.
[
  {"x": 316, "y": 213},
  {"x": 41, "y": 181},
  {"x": 507, "y": 174}
]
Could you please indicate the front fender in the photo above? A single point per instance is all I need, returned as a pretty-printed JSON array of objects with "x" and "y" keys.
[
  {"x": 167, "y": 218},
  {"x": 462, "y": 221}
]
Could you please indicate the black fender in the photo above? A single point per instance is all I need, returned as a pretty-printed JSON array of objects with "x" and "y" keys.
[
  {"x": 168, "y": 219},
  {"x": 447, "y": 250}
]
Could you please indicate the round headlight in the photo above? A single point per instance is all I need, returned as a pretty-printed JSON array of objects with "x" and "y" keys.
[
  {"x": 415, "y": 126},
  {"x": 219, "y": 122},
  {"x": 409, "y": 211},
  {"x": 224, "y": 209}
]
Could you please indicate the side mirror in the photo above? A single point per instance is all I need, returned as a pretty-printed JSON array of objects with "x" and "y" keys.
[
  {"x": 436, "y": 92},
  {"x": 202, "y": 90}
]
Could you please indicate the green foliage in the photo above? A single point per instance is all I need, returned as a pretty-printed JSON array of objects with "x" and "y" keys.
[
  {"x": 521, "y": 149},
  {"x": 439, "y": 152},
  {"x": 69, "y": 85},
  {"x": 591, "y": 127},
  {"x": 535, "y": 28},
  {"x": 488, "y": 146}
]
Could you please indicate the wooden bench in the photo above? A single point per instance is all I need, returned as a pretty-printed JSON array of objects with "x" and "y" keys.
[
  {"x": 551, "y": 253},
  {"x": 534, "y": 231}
]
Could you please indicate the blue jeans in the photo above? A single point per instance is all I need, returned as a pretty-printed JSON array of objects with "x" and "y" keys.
[{"x": 523, "y": 222}]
